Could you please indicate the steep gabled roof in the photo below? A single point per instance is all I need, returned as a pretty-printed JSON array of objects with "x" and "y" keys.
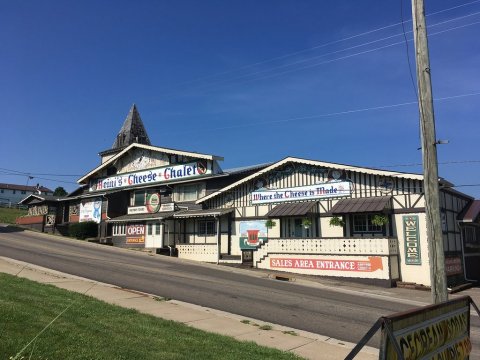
[
  {"x": 471, "y": 213},
  {"x": 315, "y": 163},
  {"x": 152, "y": 148},
  {"x": 132, "y": 131},
  {"x": 39, "y": 198}
]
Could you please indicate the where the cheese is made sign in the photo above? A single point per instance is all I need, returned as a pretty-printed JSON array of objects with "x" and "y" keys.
[{"x": 317, "y": 191}]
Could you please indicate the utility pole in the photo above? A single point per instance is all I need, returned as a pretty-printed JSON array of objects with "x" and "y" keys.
[{"x": 429, "y": 156}]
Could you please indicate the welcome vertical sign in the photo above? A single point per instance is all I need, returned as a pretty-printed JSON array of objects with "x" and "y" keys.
[{"x": 412, "y": 240}]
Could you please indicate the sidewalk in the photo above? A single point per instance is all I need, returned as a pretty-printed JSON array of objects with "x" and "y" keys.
[{"x": 305, "y": 344}]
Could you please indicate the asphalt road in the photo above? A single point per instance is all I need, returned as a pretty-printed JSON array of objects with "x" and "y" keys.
[{"x": 342, "y": 315}]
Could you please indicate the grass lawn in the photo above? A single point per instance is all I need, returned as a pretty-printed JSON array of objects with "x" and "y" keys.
[
  {"x": 92, "y": 329},
  {"x": 8, "y": 215}
]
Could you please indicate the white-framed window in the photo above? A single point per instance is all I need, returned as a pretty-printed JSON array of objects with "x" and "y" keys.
[
  {"x": 187, "y": 192},
  {"x": 119, "y": 229},
  {"x": 206, "y": 228},
  {"x": 362, "y": 223},
  {"x": 153, "y": 228},
  {"x": 138, "y": 198}
]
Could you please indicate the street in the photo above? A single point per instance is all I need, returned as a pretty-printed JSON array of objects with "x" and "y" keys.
[{"x": 344, "y": 315}]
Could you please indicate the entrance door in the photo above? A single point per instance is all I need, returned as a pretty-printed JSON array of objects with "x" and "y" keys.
[
  {"x": 154, "y": 235},
  {"x": 293, "y": 228}
]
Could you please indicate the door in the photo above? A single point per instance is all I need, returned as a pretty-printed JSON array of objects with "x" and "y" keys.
[
  {"x": 154, "y": 234},
  {"x": 293, "y": 228}
]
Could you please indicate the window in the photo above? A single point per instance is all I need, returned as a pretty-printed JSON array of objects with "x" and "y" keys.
[
  {"x": 206, "y": 228},
  {"x": 472, "y": 239},
  {"x": 138, "y": 198},
  {"x": 14, "y": 192},
  {"x": 149, "y": 229},
  {"x": 188, "y": 193},
  {"x": 1, "y": 191},
  {"x": 24, "y": 192},
  {"x": 362, "y": 223},
  {"x": 119, "y": 229}
]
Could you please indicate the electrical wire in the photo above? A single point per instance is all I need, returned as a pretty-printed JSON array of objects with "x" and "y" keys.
[
  {"x": 318, "y": 46},
  {"x": 30, "y": 173},
  {"x": 226, "y": 83},
  {"x": 347, "y": 49},
  {"x": 310, "y": 117},
  {"x": 408, "y": 52}
]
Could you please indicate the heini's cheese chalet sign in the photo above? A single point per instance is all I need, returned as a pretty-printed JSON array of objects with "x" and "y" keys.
[
  {"x": 317, "y": 191},
  {"x": 152, "y": 176}
]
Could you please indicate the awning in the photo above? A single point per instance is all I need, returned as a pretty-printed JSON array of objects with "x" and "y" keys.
[
  {"x": 142, "y": 217},
  {"x": 471, "y": 214},
  {"x": 362, "y": 205},
  {"x": 201, "y": 213},
  {"x": 292, "y": 209}
]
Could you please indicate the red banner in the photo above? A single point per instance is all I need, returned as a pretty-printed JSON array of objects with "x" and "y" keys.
[{"x": 372, "y": 264}]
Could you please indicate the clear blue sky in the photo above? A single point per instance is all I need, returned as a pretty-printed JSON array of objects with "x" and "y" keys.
[{"x": 251, "y": 80}]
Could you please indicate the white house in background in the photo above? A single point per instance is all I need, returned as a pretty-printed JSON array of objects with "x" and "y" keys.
[{"x": 12, "y": 194}]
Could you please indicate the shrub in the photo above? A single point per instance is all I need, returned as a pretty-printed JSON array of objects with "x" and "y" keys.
[
  {"x": 270, "y": 223},
  {"x": 83, "y": 230}
]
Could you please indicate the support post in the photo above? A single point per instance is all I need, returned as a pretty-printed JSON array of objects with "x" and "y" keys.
[{"x": 429, "y": 156}]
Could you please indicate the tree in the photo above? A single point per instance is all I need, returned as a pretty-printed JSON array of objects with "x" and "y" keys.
[{"x": 59, "y": 191}]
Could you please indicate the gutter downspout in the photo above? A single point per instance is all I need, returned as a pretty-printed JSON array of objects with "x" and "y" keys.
[
  {"x": 218, "y": 238},
  {"x": 108, "y": 217}
]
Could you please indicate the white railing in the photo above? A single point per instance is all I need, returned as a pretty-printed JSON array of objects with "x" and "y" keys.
[
  {"x": 198, "y": 252},
  {"x": 337, "y": 246}
]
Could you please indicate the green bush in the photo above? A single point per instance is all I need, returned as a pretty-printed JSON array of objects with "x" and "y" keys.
[{"x": 83, "y": 230}]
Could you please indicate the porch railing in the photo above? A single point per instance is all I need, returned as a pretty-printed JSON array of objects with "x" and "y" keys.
[
  {"x": 199, "y": 252},
  {"x": 381, "y": 246}
]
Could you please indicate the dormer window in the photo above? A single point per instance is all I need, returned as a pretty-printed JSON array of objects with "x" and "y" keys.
[
  {"x": 190, "y": 192},
  {"x": 138, "y": 198}
]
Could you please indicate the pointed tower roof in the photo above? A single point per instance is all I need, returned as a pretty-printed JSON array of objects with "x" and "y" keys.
[{"x": 132, "y": 131}]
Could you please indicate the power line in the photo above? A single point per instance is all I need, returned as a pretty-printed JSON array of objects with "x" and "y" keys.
[
  {"x": 30, "y": 173},
  {"x": 317, "y": 46},
  {"x": 339, "y": 113},
  {"x": 346, "y": 49},
  {"x": 235, "y": 81},
  {"x": 440, "y": 163},
  {"x": 351, "y": 55},
  {"x": 407, "y": 51}
]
